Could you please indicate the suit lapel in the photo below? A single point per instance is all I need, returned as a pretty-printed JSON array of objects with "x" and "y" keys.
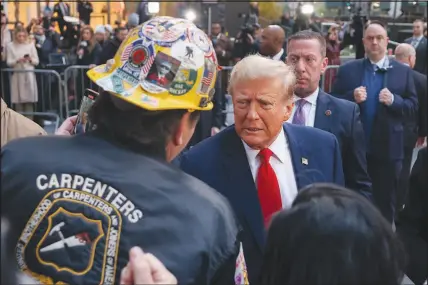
[
  {"x": 323, "y": 112},
  {"x": 244, "y": 197},
  {"x": 298, "y": 156},
  {"x": 421, "y": 44}
]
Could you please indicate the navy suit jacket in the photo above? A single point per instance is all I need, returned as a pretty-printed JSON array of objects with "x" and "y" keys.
[
  {"x": 221, "y": 162},
  {"x": 421, "y": 54},
  {"x": 342, "y": 119},
  {"x": 387, "y": 139}
]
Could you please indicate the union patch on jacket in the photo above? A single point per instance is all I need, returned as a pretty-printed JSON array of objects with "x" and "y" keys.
[{"x": 72, "y": 237}]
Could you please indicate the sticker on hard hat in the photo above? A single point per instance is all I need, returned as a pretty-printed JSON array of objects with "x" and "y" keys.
[
  {"x": 164, "y": 30},
  {"x": 207, "y": 77},
  {"x": 162, "y": 72},
  {"x": 138, "y": 57},
  {"x": 117, "y": 84},
  {"x": 190, "y": 55},
  {"x": 200, "y": 39},
  {"x": 183, "y": 82},
  {"x": 149, "y": 100}
]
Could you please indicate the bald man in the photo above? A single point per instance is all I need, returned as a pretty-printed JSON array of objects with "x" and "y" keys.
[
  {"x": 385, "y": 91},
  {"x": 415, "y": 131},
  {"x": 272, "y": 43}
]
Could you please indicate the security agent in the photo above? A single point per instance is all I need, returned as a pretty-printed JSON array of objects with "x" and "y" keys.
[{"x": 80, "y": 203}]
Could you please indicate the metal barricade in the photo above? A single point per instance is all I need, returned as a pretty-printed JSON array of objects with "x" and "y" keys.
[
  {"x": 49, "y": 89},
  {"x": 75, "y": 83},
  {"x": 328, "y": 77},
  {"x": 222, "y": 88},
  {"x": 50, "y": 121}
]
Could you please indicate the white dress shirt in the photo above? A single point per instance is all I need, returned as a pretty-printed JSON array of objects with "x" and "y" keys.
[
  {"x": 309, "y": 109},
  {"x": 380, "y": 63},
  {"x": 281, "y": 164},
  {"x": 278, "y": 55}
]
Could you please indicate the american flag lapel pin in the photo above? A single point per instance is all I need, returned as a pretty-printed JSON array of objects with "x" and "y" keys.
[{"x": 304, "y": 161}]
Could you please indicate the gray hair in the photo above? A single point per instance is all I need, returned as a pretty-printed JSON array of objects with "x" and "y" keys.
[
  {"x": 257, "y": 66},
  {"x": 404, "y": 50}
]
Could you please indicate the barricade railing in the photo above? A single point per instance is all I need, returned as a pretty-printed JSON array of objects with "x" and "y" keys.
[
  {"x": 75, "y": 83},
  {"x": 50, "y": 98},
  {"x": 327, "y": 79},
  {"x": 50, "y": 121}
]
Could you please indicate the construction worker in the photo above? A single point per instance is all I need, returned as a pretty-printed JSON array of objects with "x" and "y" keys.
[{"x": 80, "y": 203}]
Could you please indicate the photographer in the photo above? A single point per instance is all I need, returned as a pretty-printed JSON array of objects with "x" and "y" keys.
[{"x": 245, "y": 43}]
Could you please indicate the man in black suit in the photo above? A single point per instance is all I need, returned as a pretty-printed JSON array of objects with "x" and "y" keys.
[
  {"x": 415, "y": 129},
  {"x": 412, "y": 221},
  {"x": 385, "y": 91},
  {"x": 419, "y": 42},
  {"x": 272, "y": 43},
  {"x": 306, "y": 52}
]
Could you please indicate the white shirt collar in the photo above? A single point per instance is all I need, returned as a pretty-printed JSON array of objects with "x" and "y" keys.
[
  {"x": 418, "y": 38},
  {"x": 311, "y": 98},
  {"x": 278, "y": 147},
  {"x": 278, "y": 55},
  {"x": 380, "y": 63}
]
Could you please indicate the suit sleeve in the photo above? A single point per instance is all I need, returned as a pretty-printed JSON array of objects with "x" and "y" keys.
[
  {"x": 339, "y": 89},
  {"x": 338, "y": 168},
  {"x": 354, "y": 158},
  {"x": 407, "y": 105},
  {"x": 410, "y": 222}
]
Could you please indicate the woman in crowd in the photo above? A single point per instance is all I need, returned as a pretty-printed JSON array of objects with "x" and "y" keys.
[
  {"x": 88, "y": 51},
  {"x": 333, "y": 55},
  {"x": 88, "y": 48},
  {"x": 22, "y": 54}
]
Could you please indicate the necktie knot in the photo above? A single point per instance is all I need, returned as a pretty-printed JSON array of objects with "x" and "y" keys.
[
  {"x": 301, "y": 103},
  {"x": 265, "y": 154}
]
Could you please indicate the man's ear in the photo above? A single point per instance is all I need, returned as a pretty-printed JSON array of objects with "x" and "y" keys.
[
  {"x": 288, "y": 110},
  {"x": 178, "y": 137},
  {"x": 324, "y": 64}
]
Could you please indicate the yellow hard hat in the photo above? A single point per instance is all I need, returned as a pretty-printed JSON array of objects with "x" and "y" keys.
[{"x": 166, "y": 63}]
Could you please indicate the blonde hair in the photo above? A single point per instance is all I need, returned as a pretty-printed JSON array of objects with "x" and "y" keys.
[
  {"x": 18, "y": 31},
  {"x": 257, "y": 66}
]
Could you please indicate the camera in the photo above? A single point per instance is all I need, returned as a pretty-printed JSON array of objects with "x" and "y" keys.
[{"x": 247, "y": 30}]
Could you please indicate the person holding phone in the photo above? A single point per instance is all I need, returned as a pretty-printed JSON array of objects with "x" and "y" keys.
[
  {"x": 98, "y": 194},
  {"x": 22, "y": 55}
]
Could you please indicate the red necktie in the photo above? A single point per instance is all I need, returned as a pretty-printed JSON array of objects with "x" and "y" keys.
[{"x": 268, "y": 187}]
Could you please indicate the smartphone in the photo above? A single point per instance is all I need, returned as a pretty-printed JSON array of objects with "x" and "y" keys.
[{"x": 82, "y": 123}]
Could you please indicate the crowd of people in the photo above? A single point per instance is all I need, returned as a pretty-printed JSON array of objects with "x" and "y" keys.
[{"x": 306, "y": 187}]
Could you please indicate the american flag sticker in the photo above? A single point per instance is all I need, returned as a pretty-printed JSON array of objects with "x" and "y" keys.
[{"x": 207, "y": 77}]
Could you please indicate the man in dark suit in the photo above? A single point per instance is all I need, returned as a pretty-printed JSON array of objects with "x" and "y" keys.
[
  {"x": 315, "y": 108},
  {"x": 272, "y": 43},
  {"x": 260, "y": 163},
  {"x": 62, "y": 10},
  {"x": 385, "y": 92},
  {"x": 415, "y": 129},
  {"x": 412, "y": 221},
  {"x": 419, "y": 42}
]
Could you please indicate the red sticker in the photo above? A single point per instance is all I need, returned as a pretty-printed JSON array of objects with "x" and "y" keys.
[{"x": 139, "y": 56}]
